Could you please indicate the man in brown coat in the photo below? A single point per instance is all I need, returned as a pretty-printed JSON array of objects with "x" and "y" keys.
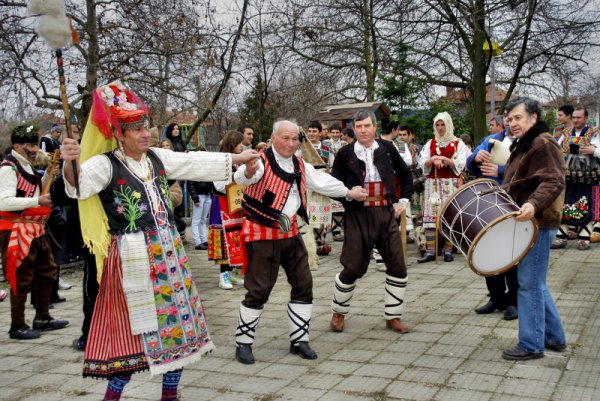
[{"x": 536, "y": 179}]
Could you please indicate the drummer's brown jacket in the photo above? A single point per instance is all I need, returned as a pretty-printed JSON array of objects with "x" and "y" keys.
[{"x": 536, "y": 174}]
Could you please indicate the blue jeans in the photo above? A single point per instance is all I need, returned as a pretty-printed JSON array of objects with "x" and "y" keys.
[
  {"x": 539, "y": 321},
  {"x": 200, "y": 219}
]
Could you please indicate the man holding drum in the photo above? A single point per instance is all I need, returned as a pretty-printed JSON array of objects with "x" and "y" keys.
[
  {"x": 535, "y": 175},
  {"x": 479, "y": 164}
]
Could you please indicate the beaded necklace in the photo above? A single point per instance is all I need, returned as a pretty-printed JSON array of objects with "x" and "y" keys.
[{"x": 438, "y": 149}]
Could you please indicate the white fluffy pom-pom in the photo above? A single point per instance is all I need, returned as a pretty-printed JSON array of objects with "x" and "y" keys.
[
  {"x": 56, "y": 30},
  {"x": 47, "y": 7}
]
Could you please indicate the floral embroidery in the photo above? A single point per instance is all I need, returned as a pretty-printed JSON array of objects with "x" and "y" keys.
[
  {"x": 129, "y": 204},
  {"x": 576, "y": 211},
  {"x": 164, "y": 188}
]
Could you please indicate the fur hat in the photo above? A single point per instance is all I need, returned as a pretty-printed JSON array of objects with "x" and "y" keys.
[{"x": 24, "y": 134}]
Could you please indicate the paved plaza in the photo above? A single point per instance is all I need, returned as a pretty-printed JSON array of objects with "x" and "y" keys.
[{"x": 451, "y": 354}]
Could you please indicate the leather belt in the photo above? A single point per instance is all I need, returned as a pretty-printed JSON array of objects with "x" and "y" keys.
[{"x": 376, "y": 198}]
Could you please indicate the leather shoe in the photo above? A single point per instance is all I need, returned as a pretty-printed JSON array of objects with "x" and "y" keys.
[
  {"x": 49, "y": 324},
  {"x": 595, "y": 237},
  {"x": 201, "y": 247},
  {"x": 511, "y": 313},
  {"x": 243, "y": 353},
  {"x": 79, "y": 344},
  {"x": 303, "y": 349},
  {"x": 448, "y": 257},
  {"x": 427, "y": 258},
  {"x": 490, "y": 307},
  {"x": 58, "y": 299},
  {"x": 23, "y": 332},
  {"x": 556, "y": 347},
  {"x": 517, "y": 354},
  {"x": 337, "y": 322},
  {"x": 397, "y": 325}
]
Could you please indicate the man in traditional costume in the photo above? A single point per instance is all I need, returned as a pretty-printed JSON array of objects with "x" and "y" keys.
[
  {"x": 582, "y": 203},
  {"x": 148, "y": 313},
  {"x": 376, "y": 166},
  {"x": 24, "y": 247},
  {"x": 273, "y": 201}
]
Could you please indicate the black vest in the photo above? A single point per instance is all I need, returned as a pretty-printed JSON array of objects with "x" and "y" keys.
[
  {"x": 23, "y": 178},
  {"x": 126, "y": 202}
]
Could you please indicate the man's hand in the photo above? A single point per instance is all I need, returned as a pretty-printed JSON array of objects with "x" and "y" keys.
[
  {"x": 244, "y": 157},
  {"x": 357, "y": 193},
  {"x": 587, "y": 150},
  {"x": 398, "y": 209},
  {"x": 45, "y": 200},
  {"x": 70, "y": 149},
  {"x": 489, "y": 169},
  {"x": 251, "y": 168},
  {"x": 483, "y": 156},
  {"x": 526, "y": 213}
]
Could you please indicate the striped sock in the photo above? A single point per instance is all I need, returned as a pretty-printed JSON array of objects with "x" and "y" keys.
[
  {"x": 115, "y": 387},
  {"x": 170, "y": 384}
]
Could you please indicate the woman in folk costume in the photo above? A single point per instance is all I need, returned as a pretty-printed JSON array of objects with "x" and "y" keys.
[
  {"x": 443, "y": 158},
  {"x": 148, "y": 313},
  {"x": 225, "y": 245}
]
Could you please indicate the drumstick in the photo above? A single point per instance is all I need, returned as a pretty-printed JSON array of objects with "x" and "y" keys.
[{"x": 435, "y": 184}]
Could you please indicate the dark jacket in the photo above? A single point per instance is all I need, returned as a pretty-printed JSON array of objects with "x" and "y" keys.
[
  {"x": 536, "y": 174},
  {"x": 351, "y": 170},
  {"x": 196, "y": 188}
]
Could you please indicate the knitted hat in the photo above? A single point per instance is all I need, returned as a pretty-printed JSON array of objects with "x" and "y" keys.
[{"x": 24, "y": 134}]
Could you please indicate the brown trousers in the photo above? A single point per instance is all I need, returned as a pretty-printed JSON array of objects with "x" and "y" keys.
[
  {"x": 39, "y": 261},
  {"x": 365, "y": 228},
  {"x": 264, "y": 259}
]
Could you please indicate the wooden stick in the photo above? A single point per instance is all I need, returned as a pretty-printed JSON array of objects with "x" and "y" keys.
[
  {"x": 66, "y": 110},
  {"x": 403, "y": 234}
]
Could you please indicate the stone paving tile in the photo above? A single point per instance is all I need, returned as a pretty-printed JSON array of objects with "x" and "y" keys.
[
  {"x": 431, "y": 377},
  {"x": 450, "y": 354},
  {"x": 452, "y": 394},
  {"x": 527, "y": 388},
  {"x": 404, "y": 390}
]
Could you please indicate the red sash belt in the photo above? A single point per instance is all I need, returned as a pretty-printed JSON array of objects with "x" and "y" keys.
[{"x": 24, "y": 228}]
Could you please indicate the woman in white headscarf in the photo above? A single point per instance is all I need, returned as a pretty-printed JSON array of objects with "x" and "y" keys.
[{"x": 443, "y": 159}]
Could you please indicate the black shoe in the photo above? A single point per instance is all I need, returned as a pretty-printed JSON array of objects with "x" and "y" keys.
[
  {"x": 427, "y": 258},
  {"x": 556, "y": 347},
  {"x": 205, "y": 244},
  {"x": 58, "y": 299},
  {"x": 79, "y": 343},
  {"x": 490, "y": 307},
  {"x": 243, "y": 353},
  {"x": 23, "y": 332},
  {"x": 517, "y": 354},
  {"x": 201, "y": 247},
  {"x": 511, "y": 313},
  {"x": 49, "y": 324},
  {"x": 303, "y": 349},
  {"x": 448, "y": 257}
]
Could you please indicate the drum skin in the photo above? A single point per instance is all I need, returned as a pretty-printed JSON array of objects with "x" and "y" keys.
[{"x": 479, "y": 219}]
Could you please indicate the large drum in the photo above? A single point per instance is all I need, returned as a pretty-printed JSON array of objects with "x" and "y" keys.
[{"x": 479, "y": 218}]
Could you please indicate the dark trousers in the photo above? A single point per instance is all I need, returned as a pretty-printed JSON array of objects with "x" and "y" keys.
[
  {"x": 365, "y": 228},
  {"x": 498, "y": 285},
  {"x": 38, "y": 262},
  {"x": 264, "y": 259},
  {"x": 90, "y": 291}
]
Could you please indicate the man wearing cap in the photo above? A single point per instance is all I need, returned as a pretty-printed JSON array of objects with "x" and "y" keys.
[
  {"x": 51, "y": 142},
  {"x": 25, "y": 249},
  {"x": 148, "y": 313}
]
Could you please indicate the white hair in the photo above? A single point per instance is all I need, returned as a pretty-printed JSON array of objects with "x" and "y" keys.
[{"x": 278, "y": 123}]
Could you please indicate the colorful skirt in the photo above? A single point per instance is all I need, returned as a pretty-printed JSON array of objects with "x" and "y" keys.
[
  {"x": 319, "y": 210},
  {"x": 182, "y": 336},
  {"x": 225, "y": 242},
  {"x": 444, "y": 188}
]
